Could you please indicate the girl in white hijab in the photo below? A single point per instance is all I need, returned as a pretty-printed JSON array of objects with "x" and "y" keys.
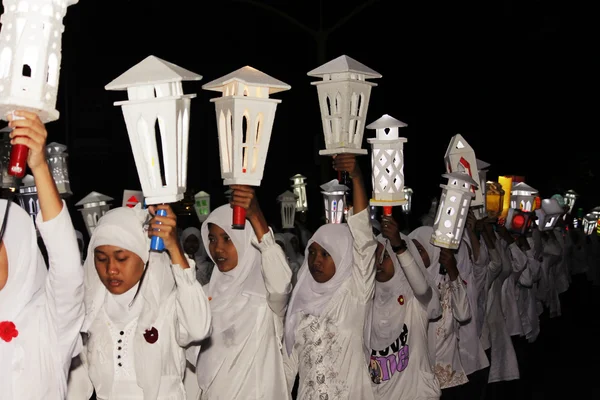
[
  {"x": 325, "y": 321},
  {"x": 41, "y": 309},
  {"x": 248, "y": 292},
  {"x": 398, "y": 320},
  {"x": 191, "y": 241},
  {"x": 142, "y": 309}
]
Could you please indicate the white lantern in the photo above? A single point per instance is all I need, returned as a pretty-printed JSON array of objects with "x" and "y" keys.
[
  {"x": 157, "y": 115},
  {"x": 408, "y": 192},
  {"x": 288, "y": 209},
  {"x": 57, "y": 161},
  {"x": 28, "y": 197},
  {"x": 549, "y": 214},
  {"x": 589, "y": 224},
  {"x": 334, "y": 196},
  {"x": 30, "y": 56},
  {"x": 452, "y": 212},
  {"x": 299, "y": 188},
  {"x": 8, "y": 181},
  {"x": 387, "y": 162},
  {"x": 202, "y": 205},
  {"x": 460, "y": 157},
  {"x": 482, "y": 169},
  {"x": 596, "y": 212},
  {"x": 132, "y": 197},
  {"x": 344, "y": 97},
  {"x": 522, "y": 196},
  {"x": 570, "y": 198},
  {"x": 94, "y": 207}
]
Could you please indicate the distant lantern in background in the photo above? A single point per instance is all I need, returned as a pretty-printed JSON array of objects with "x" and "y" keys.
[
  {"x": 407, "y": 207},
  {"x": 548, "y": 214},
  {"x": 506, "y": 183},
  {"x": 344, "y": 95},
  {"x": 570, "y": 197},
  {"x": 596, "y": 212},
  {"x": 452, "y": 212},
  {"x": 30, "y": 57},
  {"x": 56, "y": 154},
  {"x": 157, "y": 116},
  {"x": 334, "y": 196},
  {"x": 494, "y": 199},
  {"x": 245, "y": 116},
  {"x": 460, "y": 157},
  {"x": 8, "y": 181},
  {"x": 590, "y": 223},
  {"x": 482, "y": 169},
  {"x": 287, "y": 201},
  {"x": 519, "y": 221},
  {"x": 202, "y": 205},
  {"x": 28, "y": 197},
  {"x": 299, "y": 188},
  {"x": 95, "y": 205},
  {"x": 522, "y": 196},
  {"x": 132, "y": 197}
]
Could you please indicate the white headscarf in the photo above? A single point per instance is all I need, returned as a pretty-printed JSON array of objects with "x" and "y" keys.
[
  {"x": 309, "y": 296},
  {"x": 201, "y": 254},
  {"x": 126, "y": 228},
  {"x": 230, "y": 292},
  {"x": 25, "y": 285}
]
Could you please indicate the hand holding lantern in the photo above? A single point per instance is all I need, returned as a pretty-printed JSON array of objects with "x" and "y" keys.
[
  {"x": 30, "y": 132},
  {"x": 244, "y": 197},
  {"x": 163, "y": 225},
  {"x": 391, "y": 231}
]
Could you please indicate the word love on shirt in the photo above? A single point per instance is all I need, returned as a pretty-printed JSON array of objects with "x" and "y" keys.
[{"x": 394, "y": 358}]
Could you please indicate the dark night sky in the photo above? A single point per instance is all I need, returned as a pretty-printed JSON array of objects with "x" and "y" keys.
[{"x": 507, "y": 75}]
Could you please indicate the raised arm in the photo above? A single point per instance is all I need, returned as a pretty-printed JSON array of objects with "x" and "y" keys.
[{"x": 460, "y": 301}]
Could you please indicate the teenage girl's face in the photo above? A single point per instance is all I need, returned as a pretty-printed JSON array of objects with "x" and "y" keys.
[
  {"x": 423, "y": 253},
  {"x": 191, "y": 245},
  {"x": 320, "y": 263},
  {"x": 385, "y": 268},
  {"x": 118, "y": 269},
  {"x": 221, "y": 247},
  {"x": 3, "y": 266}
]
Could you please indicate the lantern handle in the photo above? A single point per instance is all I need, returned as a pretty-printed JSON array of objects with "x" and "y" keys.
[{"x": 157, "y": 243}]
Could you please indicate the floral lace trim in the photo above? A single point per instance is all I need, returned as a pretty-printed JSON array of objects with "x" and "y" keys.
[{"x": 448, "y": 377}]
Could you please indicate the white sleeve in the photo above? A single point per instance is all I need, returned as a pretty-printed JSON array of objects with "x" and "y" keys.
[
  {"x": 290, "y": 367},
  {"x": 414, "y": 276},
  {"x": 79, "y": 385},
  {"x": 517, "y": 257},
  {"x": 460, "y": 301},
  {"x": 363, "y": 271}
]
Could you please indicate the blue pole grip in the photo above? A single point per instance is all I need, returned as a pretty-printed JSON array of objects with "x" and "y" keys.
[{"x": 156, "y": 243}]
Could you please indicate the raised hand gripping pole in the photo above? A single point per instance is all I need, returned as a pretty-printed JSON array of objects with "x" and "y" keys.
[{"x": 157, "y": 243}]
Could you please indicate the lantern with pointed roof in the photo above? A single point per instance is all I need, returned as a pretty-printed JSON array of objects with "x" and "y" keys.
[
  {"x": 589, "y": 223},
  {"x": 334, "y": 196},
  {"x": 570, "y": 198},
  {"x": 56, "y": 155},
  {"x": 245, "y": 116},
  {"x": 94, "y": 207},
  {"x": 522, "y": 196},
  {"x": 482, "y": 169},
  {"x": 28, "y": 197},
  {"x": 406, "y": 207},
  {"x": 132, "y": 197},
  {"x": 451, "y": 215},
  {"x": 299, "y": 188},
  {"x": 387, "y": 162},
  {"x": 344, "y": 94},
  {"x": 202, "y": 205},
  {"x": 548, "y": 214},
  {"x": 460, "y": 157},
  {"x": 8, "y": 181},
  {"x": 287, "y": 201}
]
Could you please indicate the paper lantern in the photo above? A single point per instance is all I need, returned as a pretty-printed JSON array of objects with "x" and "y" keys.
[
  {"x": 494, "y": 199},
  {"x": 57, "y": 161},
  {"x": 506, "y": 183},
  {"x": 299, "y": 188},
  {"x": 522, "y": 196},
  {"x": 452, "y": 212},
  {"x": 28, "y": 197},
  {"x": 8, "y": 181},
  {"x": 202, "y": 205},
  {"x": 245, "y": 116},
  {"x": 460, "y": 157},
  {"x": 334, "y": 196},
  {"x": 344, "y": 95},
  {"x": 287, "y": 202},
  {"x": 94, "y": 207},
  {"x": 548, "y": 214},
  {"x": 406, "y": 207},
  {"x": 519, "y": 221},
  {"x": 590, "y": 223},
  {"x": 570, "y": 197},
  {"x": 482, "y": 169},
  {"x": 596, "y": 212},
  {"x": 132, "y": 197}
]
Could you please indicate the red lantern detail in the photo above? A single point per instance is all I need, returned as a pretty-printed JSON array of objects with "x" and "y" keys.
[{"x": 518, "y": 221}]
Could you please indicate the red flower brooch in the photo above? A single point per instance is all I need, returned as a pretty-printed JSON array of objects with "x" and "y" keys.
[
  {"x": 8, "y": 331},
  {"x": 151, "y": 335},
  {"x": 401, "y": 300}
]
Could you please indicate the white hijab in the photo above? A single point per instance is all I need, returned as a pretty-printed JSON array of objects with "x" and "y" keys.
[
  {"x": 126, "y": 228},
  {"x": 24, "y": 288},
  {"x": 230, "y": 293},
  {"x": 201, "y": 254},
  {"x": 309, "y": 296}
]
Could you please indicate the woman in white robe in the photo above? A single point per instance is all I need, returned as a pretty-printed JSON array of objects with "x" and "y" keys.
[
  {"x": 142, "y": 309},
  {"x": 248, "y": 292},
  {"x": 325, "y": 321},
  {"x": 41, "y": 309}
]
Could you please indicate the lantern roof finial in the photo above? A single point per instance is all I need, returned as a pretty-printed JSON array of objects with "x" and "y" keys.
[
  {"x": 202, "y": 193},
  {"x": 334, "y": 186},
  {"x": 297, "y": 176},
  {"x": 94, "y": 197},
  {"x": 287, "y": 196},
  {"x": 152, "y": 70},
  {"x": 522, "y": 189},
  {"x": 249, "y": 76},
  {"x": 344, "y": 64},
  {"x": 458, "y": 144},
  {"x": 572, "y": 192},
  {"x": 386, "y": 121}
]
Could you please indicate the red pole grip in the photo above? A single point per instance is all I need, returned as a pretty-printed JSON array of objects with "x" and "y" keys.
[
  {"x": 387, "y": 211},
  {"x": 239, "y": 217},
  {"x": 18, "y": 160}
]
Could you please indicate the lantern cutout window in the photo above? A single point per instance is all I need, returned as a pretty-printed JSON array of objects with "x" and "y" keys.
[
  {"x": 132, "y": 197},
  {"x": 157, "y": 115},
  {"x": 589, "y": 224},
  {"x": 56, "y": 155},
  {"x": 570, "y": 198},
  {"x": 245, "y": 116},
  {"x": 202, "y": 205},
  {"x": 406, "y": 207},
  {"x": 494, "y": 199},
  {"x": 30, "y": 56},
  {"x": 334, "y": 196},
  {"x": 548, "y": 214},
  {"x": 8, "y": 181},
  {"x": 451, "y": 215},
  {"x": 387, "y": 162},
  {"x": 287, "y": 201},
  {"x": 460, "y": 157},
  {"x": 519, "y": 221},
  {"x": 299, "y": 188},
  {"x": 344, "y": 95},
  {"x": 94, "y": 207},
  {"x": 28, "y": 197},
  {"x": 522, "y": 196}
]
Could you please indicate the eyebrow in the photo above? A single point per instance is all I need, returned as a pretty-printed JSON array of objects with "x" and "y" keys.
[{"x": 101, "y": 252}]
